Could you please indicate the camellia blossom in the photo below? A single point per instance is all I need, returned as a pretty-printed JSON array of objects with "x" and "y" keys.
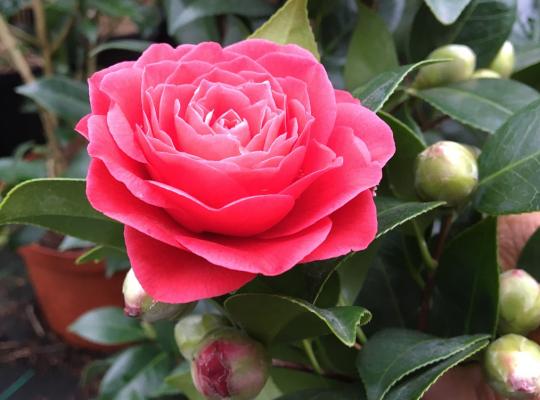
[{"x": 226, "y": 163}]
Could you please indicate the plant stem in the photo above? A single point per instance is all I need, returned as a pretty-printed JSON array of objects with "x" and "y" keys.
[
  {"x": 40, "y": 24},
  {"x": 361, "y": 336},
  {"x": 424, "y": 250},
  {"x": 308, "y": 348}
]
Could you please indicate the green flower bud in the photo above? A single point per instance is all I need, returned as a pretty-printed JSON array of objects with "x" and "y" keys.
[
  {"x": 446, "y": 171},
  {"x": 190, "y": 331},
  {"x": 138, "y": 303},
  {"x": 485, "y": 73},
  {"x": 459, "y": 69},
  {"x": 519, "y": 302},
  {"x": 512, "y": 365},
  {"x": 504, "y": 61},
  {"x": 230, "y": 365}
]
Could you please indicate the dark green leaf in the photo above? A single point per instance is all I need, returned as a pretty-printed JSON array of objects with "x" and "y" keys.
[
  {"x": 484, "y": 26},
  {"x": 60, "y": 205},
  {"x": 392, "y": 354},
  {"x": 371, "y": 49},
  {"x": 527, "y": 57},
  {"x": 352, "y": 272},
  {"x": 353, "y": 393},
  {"x": 485, "y": 104},
  {"x": 65, "y": 97},
  {"x": 417, "y": 385},
  {"x": 108, "y": 325},
  {"x": 134, "y": 45},
  {"x": 529, "y": 259},
  {"x": 378, "y": 89},
  {"x": 447, "y": 12},
  {"x": 467, "y": 283},
  {"x": 392, "y": 290},
  {"x": 392, "y": 212},
  {"x": 400, "y": 168},
  {"x": 9, "y": 8},
  {"x": 188, "y": 11},
  {"x": 13, "y": 171},
  {"x": 511, "y": 159},
  {"x": 290, "y": 24},
  {"x": 273, "y": 318}
]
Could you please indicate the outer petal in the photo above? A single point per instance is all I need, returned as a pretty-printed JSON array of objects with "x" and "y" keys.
[
  {"x": 373, "y": 131},
  {"x": 354, "y": 227},
  {"x": 268, "y": 257},
  {"x": 99, "y": 100},
  {"x": 172, "y": 275}
]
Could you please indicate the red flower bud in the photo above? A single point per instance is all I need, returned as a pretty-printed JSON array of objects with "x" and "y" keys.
[{"x": 230, "y": 365}]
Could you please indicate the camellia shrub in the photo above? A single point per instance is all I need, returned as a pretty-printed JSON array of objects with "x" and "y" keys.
[{"x": 299, "y": 232}]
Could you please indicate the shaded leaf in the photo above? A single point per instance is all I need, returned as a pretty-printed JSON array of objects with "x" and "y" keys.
[
  {"x": 400, "y": 169},
  {"x": 65, "y": 97},
  {"x": 290, "y": 24},
  {"x": 415, "y": 387},
  {"x": 273, "y": 318},
  {"x": 60, "y": 205},
  {"x": 392, "y": 354},
  {"x": 134, "y": 45},
  {"x": 107, "y": 325},
  {"x": 511, "y": 159},
  {"x": 392, "y": 212},
  {"x": 529, "y": 259},
  {"x": 374, "y": 93},
  {"x": 353, "y": 393},
  {"x": 485, "y": 104},
  {"x": 371, "y": 49},
  {"x": 467, "y": 283}
]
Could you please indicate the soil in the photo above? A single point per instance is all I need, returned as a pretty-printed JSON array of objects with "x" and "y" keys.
[{"x": 34, "y": 363}]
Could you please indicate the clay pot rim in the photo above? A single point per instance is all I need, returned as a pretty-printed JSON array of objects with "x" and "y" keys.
[{"x": 86, "y": 268}]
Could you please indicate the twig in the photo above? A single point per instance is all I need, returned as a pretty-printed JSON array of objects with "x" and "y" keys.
[
  {"x": 36, "y": 325},
  {"x": 40, "y": 23},
  {"x": 308, "y": 348},
  {"x": 15, "y": 54}
]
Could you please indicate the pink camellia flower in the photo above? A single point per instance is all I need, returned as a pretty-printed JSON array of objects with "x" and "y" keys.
[{"x": 225, "y": 163}]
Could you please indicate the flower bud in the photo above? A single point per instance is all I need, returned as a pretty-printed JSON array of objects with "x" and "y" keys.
[
  {"x": 512, "y": 365},
  {"x": 459, "y": 69},
  {"x": 230, "y": 365},
  {"x": 190, "y": 331},
  {"x": 519, "y": 302},
  {"x": 138, "y": 303},
  {"x": 484, "y": 73},
  {"x": 504, "y": 61},
  {"x": 446, "y": 171}
]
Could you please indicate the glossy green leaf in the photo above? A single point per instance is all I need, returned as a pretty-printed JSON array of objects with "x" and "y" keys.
[
  {"x": 392, "y": 289},
  {"x": 371, "y": 49},
  {"x": 485, "y": 104},
  {"x": 108, "y": 325},
  {"x": 447, "y": 12},
  {"x": 374, "y": 93},
  {"x": 290, "y": 24},
  {"x": 392, "y": 354},
  {"x": 467, "y": 283},
  {"x": 273, "y": 318},
  {"x": 188, "y": 11},
  {"x": 527, "y": 57},
  {"x": 65, "y": 97},
  {"x": 509, "y": 164},
  {"x": 59, "y": 205},
  {"x": 134, "y": 45},
  {"x": 400, "y": 168},
  {"x": 529, "y": 259},
  {"x": 484, "y": 26},
  {"x": 392, "y": 212},
  {"x": 415, "y": 387}
]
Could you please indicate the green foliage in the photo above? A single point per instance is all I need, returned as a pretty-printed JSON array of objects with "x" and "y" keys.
[
  {"x": 108, "y": 325},
  {"x": 289, "y": 24},
  {"x": 529, "y": 259},
  {"x": 512, "y": 155}
]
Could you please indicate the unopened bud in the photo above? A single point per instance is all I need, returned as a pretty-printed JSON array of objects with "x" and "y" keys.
[
  {"x": 512, "y": 365},
  {"x": 459, "y": 69},
  {"x": 485, "y": 73},
  {"x": 504, "y": 61},
  {"x": 138, "y": 303},
  {"x": 519, "y": 302},
  {"x": 190, "y": 331},
  {"x": 446, "y": 171},
  {"x": 230, "y": 365}
]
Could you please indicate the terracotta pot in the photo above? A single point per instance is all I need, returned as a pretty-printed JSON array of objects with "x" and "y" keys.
[{"x": 65, "y": 290}]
